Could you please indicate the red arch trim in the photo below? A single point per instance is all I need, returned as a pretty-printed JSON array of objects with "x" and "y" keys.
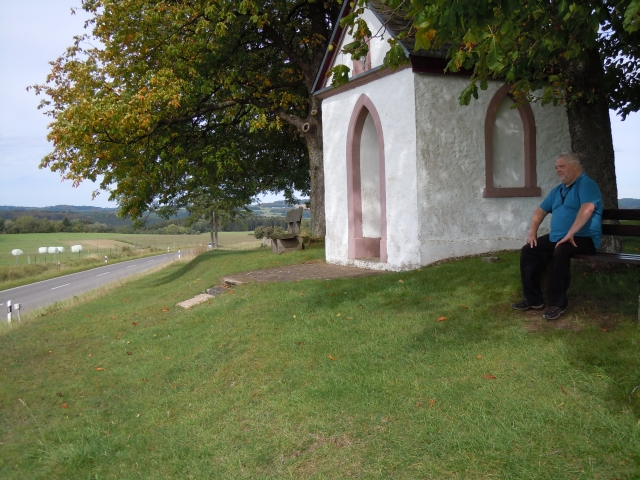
[
  {"x": 360, "y": 247},
  {"x": 530, "y": 188}
]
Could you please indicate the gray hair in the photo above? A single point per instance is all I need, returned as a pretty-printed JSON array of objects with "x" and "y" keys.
[{"x": 570, "y": 157}]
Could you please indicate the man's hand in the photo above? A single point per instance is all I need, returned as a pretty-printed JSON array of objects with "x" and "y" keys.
[
  {"x": 567, "y": 238},
  {"x": 584, "y": 214},
  {"x": 538, "y": 217}
]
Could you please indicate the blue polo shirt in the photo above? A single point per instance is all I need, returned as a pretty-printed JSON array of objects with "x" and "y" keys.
[{"x": 564, "y": 202}]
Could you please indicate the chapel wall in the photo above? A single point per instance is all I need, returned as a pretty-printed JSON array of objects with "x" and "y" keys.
[
  {"x": 454, "y": 217},
  {"x": 393, "y": 98}
]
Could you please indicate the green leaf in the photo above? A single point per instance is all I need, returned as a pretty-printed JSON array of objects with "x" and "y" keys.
[
  {"x": 631, "y": 21},
  {"x": 494, "y": 57},
  {"x": 340, "y": 75}
]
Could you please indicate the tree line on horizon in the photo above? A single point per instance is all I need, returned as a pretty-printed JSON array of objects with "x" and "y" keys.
[{"x": 179, "y": 226}]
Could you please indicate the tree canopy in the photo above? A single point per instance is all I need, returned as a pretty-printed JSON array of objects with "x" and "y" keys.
[
  {"x": 164, "y": 97},
  {"x": 541, "y": 48}
]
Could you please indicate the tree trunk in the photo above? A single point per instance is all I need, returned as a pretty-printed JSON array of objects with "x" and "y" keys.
[
  {"x": 590, "y": 130},
  {"x": 216, "y": 227},
  {"x": 211, "y": 223},
  {"x": 316, "y": 170}
]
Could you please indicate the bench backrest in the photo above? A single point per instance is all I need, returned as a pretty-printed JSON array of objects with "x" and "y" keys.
[
  {"x": 293, "y": 219},
  {"x": 621, "y": 214}
]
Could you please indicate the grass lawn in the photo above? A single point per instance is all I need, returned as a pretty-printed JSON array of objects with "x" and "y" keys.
[
  {"x": 423, "y": 374},
  {"x": 32, "y": 266}
]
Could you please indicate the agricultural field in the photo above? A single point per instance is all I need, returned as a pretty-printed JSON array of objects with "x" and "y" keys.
[{"x": 32, "y": 266}]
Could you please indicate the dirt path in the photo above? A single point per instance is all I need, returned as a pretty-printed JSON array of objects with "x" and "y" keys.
[{"x": 317, "y": 270}]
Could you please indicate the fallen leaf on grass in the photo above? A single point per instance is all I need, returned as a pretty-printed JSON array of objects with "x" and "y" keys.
[
  {"x": 604, "y": 329},
  {"x": 337, "y": 315},
  {"x": 91, "y": 354},
  {"x": 400, "y": 281},
  {"x": 231, "y": 292},
  {"x": 129, "y": 353},
  {"x": 332, "y": 358},
  {"x": 432, "y": 402},
  {"x": 64, "y": 405},
  {"x": 98, "y": 369},
  {"x": 135, "y": 324},
  {"x": 429, "y": 298},
  {"x": 441, "y": 319},
  {"x": 418, "y": 404},
  {"x": 59, "y": 394},
  {"x": 165, "y": 310},
  {"x": 563, "y": 390},
  {"x": 479, "y": 357},
  {"x": 489, "y": 377},
  {"x": 464, "y": 306}
]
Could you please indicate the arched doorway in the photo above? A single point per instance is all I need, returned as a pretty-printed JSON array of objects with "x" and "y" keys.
[{"x": 366, "y": 196}]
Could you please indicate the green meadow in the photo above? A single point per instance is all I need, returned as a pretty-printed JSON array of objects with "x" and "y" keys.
[
  {"x": 33, "y": 266},
  {"x": 421, "y": 374}
]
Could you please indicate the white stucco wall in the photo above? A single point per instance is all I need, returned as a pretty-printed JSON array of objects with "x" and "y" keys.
[
  {"x": 393, "y": 97},
  {"x": 454, "y": 218},
  {"x": 370, "y": 180},
  {"x": 508, "y": 146}
]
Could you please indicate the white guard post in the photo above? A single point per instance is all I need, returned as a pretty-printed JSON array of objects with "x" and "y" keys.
[
  {"x": 9, "y": 311},
  {"x": 16, "y": 307}
]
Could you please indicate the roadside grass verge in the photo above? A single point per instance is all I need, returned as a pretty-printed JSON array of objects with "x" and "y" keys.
[
  {"x": 423, "y": 374},
  {"x": 117, "y": 248}
]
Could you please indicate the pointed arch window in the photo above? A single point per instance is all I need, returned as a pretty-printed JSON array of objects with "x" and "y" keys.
[
  {"x": 366, "y": 185},
  {"x": 510, "y": 148}
]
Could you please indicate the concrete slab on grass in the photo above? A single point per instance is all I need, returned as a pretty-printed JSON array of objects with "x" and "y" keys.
[{"x": 203, "y": 297}]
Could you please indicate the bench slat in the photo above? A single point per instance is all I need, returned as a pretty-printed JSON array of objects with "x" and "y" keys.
[
  {"x": 624, "y": 230},
  {"x": 621, "y": 214},
  {"x": 610, "y": 257}
]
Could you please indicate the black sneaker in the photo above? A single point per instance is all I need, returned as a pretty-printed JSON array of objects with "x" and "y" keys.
[
  {"x": 525, "y": 305},
  {"x": 553, "y": 313}
]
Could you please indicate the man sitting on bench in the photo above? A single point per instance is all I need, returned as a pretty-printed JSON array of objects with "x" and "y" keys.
[{"x": 576, "y": 227}]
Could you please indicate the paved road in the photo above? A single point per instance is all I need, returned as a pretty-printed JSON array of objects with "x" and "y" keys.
[{"x": 40, "y": 294}]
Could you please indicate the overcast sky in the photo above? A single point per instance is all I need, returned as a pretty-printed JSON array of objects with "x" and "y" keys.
[{"x": 35, "y": 32}]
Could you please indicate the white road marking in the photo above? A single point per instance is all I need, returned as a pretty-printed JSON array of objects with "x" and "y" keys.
[
  {"x": 131, "y": 266},
  {"x": 66, "y": 284},
  {"x": 102, "y": 274}
]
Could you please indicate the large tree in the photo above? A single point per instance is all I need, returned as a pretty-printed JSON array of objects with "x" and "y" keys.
[
  {"x": 162, "y": 97},
  {"x": 585, "y": 54}
]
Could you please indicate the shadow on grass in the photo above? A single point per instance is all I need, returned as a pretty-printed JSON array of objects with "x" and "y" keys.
[{"x": 196, "y": 262}]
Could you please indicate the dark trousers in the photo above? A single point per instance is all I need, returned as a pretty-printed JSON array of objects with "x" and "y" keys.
[{"x": 533, "y": 260}]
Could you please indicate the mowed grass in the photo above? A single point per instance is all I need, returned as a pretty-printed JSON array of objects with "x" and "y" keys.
[
  {"x": 422, "y": 374},
  {"x": 32, "y": 266}
]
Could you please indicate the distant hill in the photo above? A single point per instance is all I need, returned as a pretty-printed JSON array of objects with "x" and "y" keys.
[
  {"x": 279, "y": 208},
  {"x": 61, "y": 208},
  {"x": 109, "y": 217},
  {"x": 628, "y": 203}
]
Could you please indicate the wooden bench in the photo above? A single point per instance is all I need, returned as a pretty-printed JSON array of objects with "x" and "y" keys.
[
  {"x": 619, "y": 230},
  {"x": 292, "y": 239}
]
